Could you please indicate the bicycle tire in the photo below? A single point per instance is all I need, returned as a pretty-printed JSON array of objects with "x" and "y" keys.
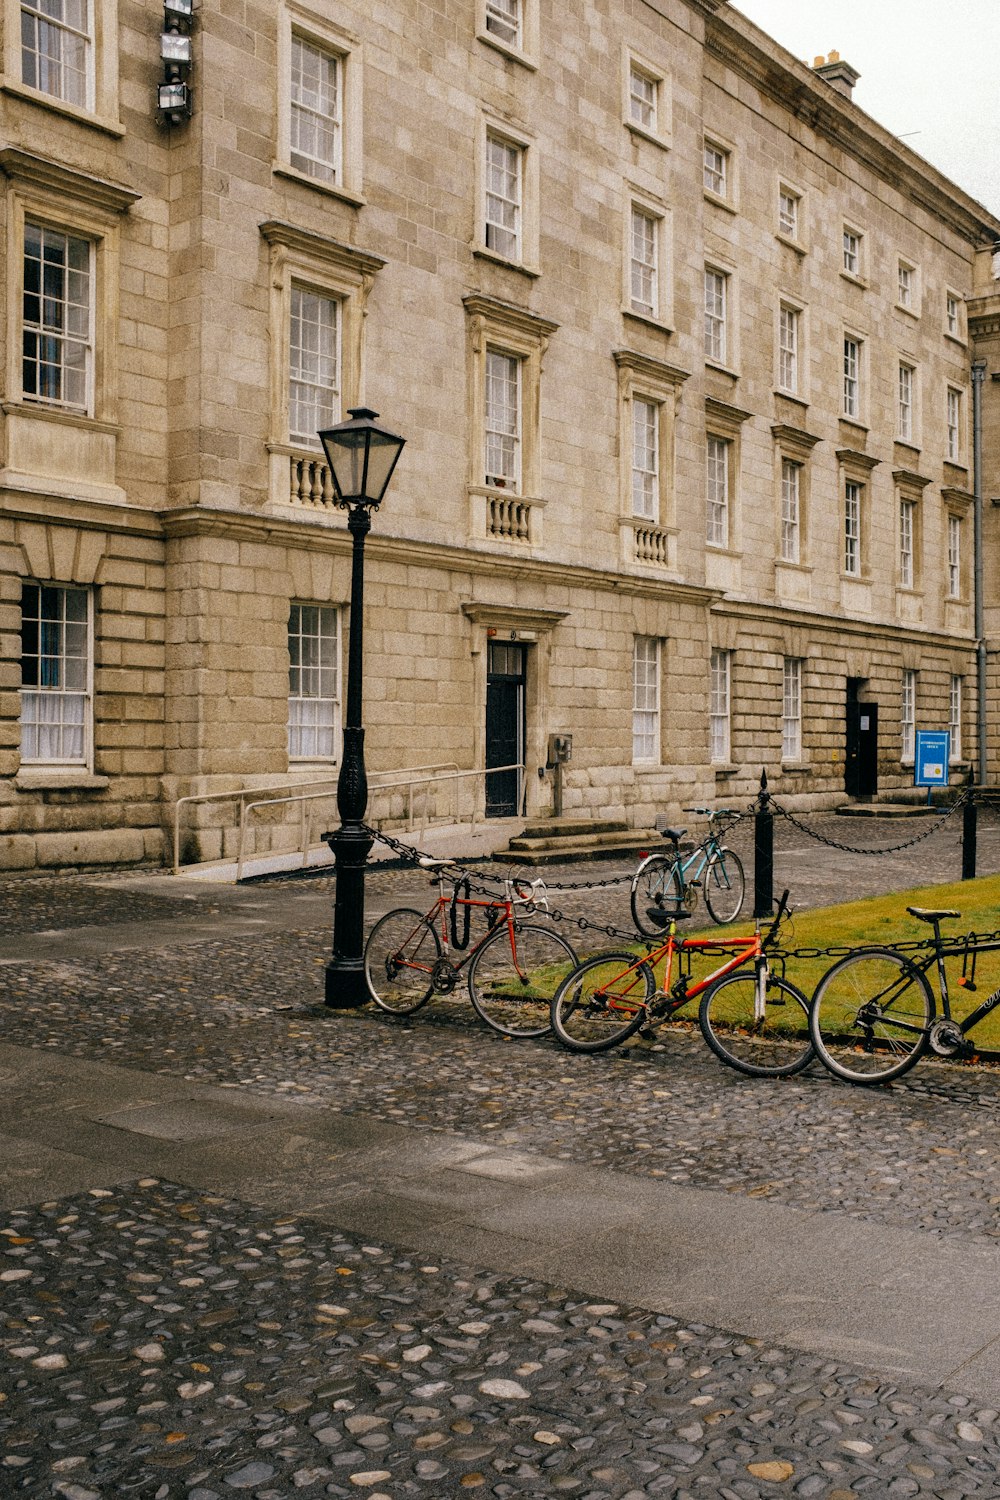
[
  {"x": 871, "y": 1016},
  {"x": 724, "y": 886},
  {"x": 772, "y": 1046},
  {"x": 655, "y": 883},
  {"x": 515, "y": 998},
  {"x": 400, "y": 954},
  {"x": 585, "y": 1019}
]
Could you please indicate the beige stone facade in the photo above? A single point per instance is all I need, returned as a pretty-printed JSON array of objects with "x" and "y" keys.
[{"x": 680, "y": 341}]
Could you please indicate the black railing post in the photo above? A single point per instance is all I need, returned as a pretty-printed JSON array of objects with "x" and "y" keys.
[
  {"x": 763, "y": 852},
  {"x": 969, "y": 829}
]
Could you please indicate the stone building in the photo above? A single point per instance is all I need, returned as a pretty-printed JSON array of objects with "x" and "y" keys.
[{"x": 680, "y": 340}]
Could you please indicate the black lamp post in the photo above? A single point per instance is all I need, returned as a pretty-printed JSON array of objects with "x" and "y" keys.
[{"x": 362, "y": 457}]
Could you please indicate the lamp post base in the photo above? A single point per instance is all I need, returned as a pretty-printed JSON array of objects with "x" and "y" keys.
[{"x": 346, "y": 987}]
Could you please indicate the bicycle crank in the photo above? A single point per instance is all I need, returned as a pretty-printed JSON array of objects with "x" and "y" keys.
[
  {"x": 444, "y": 977},
  {"x": 948, "y": 1040}
]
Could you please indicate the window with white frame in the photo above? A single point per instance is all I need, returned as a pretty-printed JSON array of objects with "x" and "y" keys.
[
  {"x": 645, "y": 459},
  {"x": 313, "y": 681},
  {"x": 644, "y": 263},
  {"x": 953, "y": 315},
  {"x": 788, "y": 348},
  {"x": 851, "y": 252},
  {"x": 646, "y": 700},
  {"x": 57, "y": 43},
  {"x": 504, "y": 196},
  {"x": 56, "y": 669},
  {"x": 313, "y": 363},
  {"x": 716, "y": 322},
  {"x": 954, "y": 556},
  {"x": 852, "y": 378},
  {"x": 58, "y": 318},
  {"x": 789, "y": 203},
  {"x": 955, "y": 715},
  {"x": 504, "y": 20},
  {"x": 908, "y": 713},
  {"x": 643, "y": 98},
  {"x": 906, "y": 285},
  {"x": 502, "y": 420},
  {"x": 719, "y": 721},
  {"x": 853, "y": 498},
  {"x": 791, "y": 709},
  {"x": 791, "y": 510},
  {"x": 717, "y": 491},
  {"x": 904, "y": 409},
  {"x": 715, "y": 169},
  {"x": 907, "y": 515},
  {"x": 953, "y": 425},
  {"x": 316, "y": 118}
]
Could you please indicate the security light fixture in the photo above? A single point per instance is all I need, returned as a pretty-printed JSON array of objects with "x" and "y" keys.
[
  {"x": 181, "y": 8},
  {"x": 174, "y": 101},
  {"x": 175, "y": 47}
]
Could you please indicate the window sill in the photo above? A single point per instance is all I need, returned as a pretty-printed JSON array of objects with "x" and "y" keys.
[
  {"x": 795, "y": 767},
  {"x": 60, "y": 414},
  {"x": 482, "y": 253},
  {"x": 330, "y": 189},
  {"x": 60, "y": 107},
  {"x": 506, "y": 49},
  {"x": 906, "y": 311},
  {"x": 60, "y": 779},
  {"x": 793, "y": 567},
  {"x": 713, "y": 364},
  {"x": 855, "y": 423},
  {"x": 724, "y": 203},
  {"x": 663, "y": 141},
  {"x": 957, "y": 338},
  {"x": 858, "y": 281},
  {"x": 791, "y": 396},
  {"x": 648, "y": 320},
  {"x": 726, "y": 768},
  {"x": 796, "y": 245}
]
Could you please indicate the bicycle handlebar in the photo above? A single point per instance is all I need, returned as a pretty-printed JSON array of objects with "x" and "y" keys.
[{"x": 711, "y": 813}]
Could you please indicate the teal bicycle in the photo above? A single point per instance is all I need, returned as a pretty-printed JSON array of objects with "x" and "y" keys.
[{"x": 668, "y": 883}]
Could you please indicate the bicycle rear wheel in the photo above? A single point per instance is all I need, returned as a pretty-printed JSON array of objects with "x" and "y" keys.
[
  {"x": 602, "y": 1001},
  {"x": 775, "y": 1044},
  {"x": 871, "y": 1016},
  {"x": 400, "y": 955},
  {"x": 656, "y": 883},
  {"x": 513, "y": 990},
  {"x": 724, "y": 887}
]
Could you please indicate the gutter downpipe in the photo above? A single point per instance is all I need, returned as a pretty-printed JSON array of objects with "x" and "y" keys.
[{"x": 978, "y": 374}]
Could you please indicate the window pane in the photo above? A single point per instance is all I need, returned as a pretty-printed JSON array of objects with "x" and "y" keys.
[
  {"x": 502, "y": 425},
  {"x": 314, "y": 358},
  {"x": 313, "y": 692},
  {"x": 56, "y": 48},
  {"x": 503, "y": 197},
  {"x": 56, "y": 318},
  {"x": 315, "y": 122},
  {"x": 55, "y": 674}
]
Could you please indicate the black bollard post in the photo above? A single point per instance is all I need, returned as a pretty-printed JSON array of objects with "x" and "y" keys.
[
  {"x": 763, "y": 852},
  {"x": 970, "y": 814}
]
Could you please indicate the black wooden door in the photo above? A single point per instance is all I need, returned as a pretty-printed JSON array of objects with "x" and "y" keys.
[
  {"x": 504, "y": 727},
  {"x": 861, "y": 769}
]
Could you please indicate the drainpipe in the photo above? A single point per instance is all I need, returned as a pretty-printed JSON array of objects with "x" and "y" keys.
[{"x": 978, "y": 374}]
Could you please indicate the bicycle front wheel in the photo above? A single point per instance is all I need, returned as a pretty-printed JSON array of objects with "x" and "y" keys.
[
  {"x": 871, "y": 1016},
  {"x": 656, "y": 883},
  {"x": 514, "y": 976},
  {"x": 724, "y": 886},
  {"x": 602, "y": 1002},
  {"x": 400, "y": 955},
  {"x": 764, "y": 1036}
]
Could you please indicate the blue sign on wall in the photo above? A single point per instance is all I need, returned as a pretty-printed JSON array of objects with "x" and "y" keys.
[{"x": 930, "y": 763}]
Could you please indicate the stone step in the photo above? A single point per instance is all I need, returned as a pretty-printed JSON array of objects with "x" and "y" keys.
[
  {"x": 547, "y": 828},
  {"x": 551, "y": 851}
]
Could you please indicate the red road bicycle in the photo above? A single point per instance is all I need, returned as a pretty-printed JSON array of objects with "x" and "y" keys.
[
  {"x": 514, "y": 966},
  {"x": 756, "y": 1021}
]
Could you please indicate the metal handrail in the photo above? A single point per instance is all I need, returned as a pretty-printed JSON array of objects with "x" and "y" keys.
[
  {"x": 380, "y": 780},
  {"x": 402, "y": 778}
]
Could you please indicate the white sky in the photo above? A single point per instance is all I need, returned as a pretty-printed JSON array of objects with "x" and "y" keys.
[{"x": 928, "y": 72}]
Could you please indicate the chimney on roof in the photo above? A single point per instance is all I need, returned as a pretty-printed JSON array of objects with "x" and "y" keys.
[{"x": 839, "y": 75}]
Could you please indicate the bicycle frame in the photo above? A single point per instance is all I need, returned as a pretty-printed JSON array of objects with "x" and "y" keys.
[
  {"x": 957, "y": 948},
  {"x": 669, "y": 998},
  {"x": 438, "y": 914}
]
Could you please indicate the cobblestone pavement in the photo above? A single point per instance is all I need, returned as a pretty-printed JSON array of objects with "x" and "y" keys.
[{"x": 165, "y": 1342}]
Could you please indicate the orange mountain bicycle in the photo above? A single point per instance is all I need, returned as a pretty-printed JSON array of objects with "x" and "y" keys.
[{"x": 755, "y": 1021}]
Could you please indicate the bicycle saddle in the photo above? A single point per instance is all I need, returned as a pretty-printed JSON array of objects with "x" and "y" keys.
[
  {"x": 673, "y": 833},
  {"x": 661, "y": 918},
  {"x": 925, "y": 914}
]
